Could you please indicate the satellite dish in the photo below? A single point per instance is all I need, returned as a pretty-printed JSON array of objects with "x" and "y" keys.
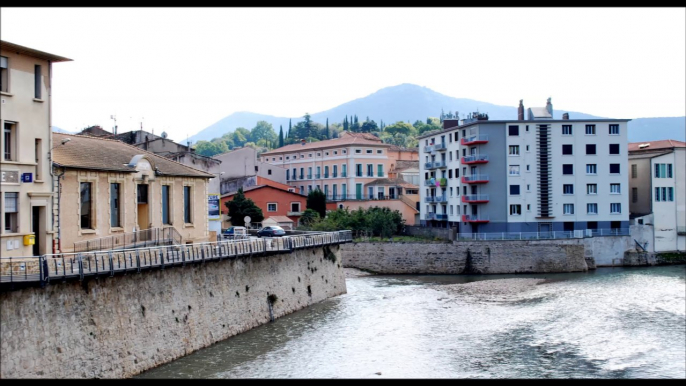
[
  {"x": 246, "y": 219},
  {"x": 164, "y": 134}
]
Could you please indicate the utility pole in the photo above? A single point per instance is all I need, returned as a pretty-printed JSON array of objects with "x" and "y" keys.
[{"x": 114, "y": 117}]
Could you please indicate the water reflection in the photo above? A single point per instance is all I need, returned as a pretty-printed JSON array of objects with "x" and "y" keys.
[{"x": 610, "y": 323}]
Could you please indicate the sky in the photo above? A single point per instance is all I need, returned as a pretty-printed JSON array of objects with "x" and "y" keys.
[{"x": 180, "y": 70}]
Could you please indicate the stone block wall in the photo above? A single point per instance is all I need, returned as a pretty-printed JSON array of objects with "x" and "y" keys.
[
  {"x": 443, "y": 233},
  {"x": 120, "y": 326}
]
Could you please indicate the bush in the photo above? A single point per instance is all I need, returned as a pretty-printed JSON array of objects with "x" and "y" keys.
[{"x": 378, "y": 221}]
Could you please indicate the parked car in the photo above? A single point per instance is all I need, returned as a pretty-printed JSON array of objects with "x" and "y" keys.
[{"x": 271, "y": 231}]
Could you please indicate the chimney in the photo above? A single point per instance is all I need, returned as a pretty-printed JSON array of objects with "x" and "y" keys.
[
  {"x": 549, "y": 107},
  {"x": 520, "y": 110},
  {"x": 565, "y": 116}
]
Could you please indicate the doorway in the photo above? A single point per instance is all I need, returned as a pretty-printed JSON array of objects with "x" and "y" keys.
[
  {"x": 36, "y": 228},
  {"x": 143, "y": 210}
]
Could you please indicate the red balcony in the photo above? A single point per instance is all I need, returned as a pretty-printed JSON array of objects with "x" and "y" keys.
[
  {"x": 475, "y": 179},
  {"x": 474, "y": 218},
  {"x": 475, "y": 140},
  {"x": 475, "y": 198},
  {"x": 474, "y": 159}
]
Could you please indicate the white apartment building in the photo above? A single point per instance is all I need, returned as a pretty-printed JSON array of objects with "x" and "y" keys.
[
  {"x": 658, "y": 182},
  {"x": 533, "y": 175}
]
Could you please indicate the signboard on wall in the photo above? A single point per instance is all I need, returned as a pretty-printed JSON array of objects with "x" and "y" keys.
[
  {"x": 27, "y": 177},
  {"x": 213, "y": 212},
  {"x": 10, "y": 176}
]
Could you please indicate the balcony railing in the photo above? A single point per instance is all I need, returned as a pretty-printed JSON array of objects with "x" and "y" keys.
[
  {"x": 294, "y": 213},
  {"x": 428, "y": 149},
  {"x": 474, "y": 140},
  {"x": 475, "y": 198},
  {"x": 317, "y": 176},
  {"x": 302, "y": 176},
  {"x": 475, "y": 179},
  {"x": 436, "y": 216},
  {"x": 439, "y": 147},
  {"x": 441, "y": 198},
  {"x": 344, "y": 174},
  {"x": 474, "y": 218},
  {"x": 434, "y": 165},
  {"x": 576, "y": 234},
  {"x": 475, "y": 159},
  {"x": 309, "y": 176},
  {"x": 326, "y": 175},
  {"x": 334, "y": 175}
]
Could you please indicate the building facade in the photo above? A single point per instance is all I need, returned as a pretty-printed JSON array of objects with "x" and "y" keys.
[
  {"x": 273, "y": 200},
  {"x": 244, "y": 162},
  {"x": 658, "y": 182},
  {"x": 535, "y": 175},
  {"x": 107, "y": 188},
  {"x": 26, "y": 184}
]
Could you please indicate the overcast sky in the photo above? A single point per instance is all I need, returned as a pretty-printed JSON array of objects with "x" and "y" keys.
[{"x": 182, "y": 69}]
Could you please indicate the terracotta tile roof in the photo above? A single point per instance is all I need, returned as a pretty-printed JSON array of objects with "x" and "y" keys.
[
  {"x": 401, "y": 165},
  {"x": 391, "y": 182},
  {"x": 345, "y": 140},
  {"x": 251, "y": 188},
  {"x": 656, "y": 145},
  {"x": 86, "y": 152},
  {"x": 408, "y": 149},
  {"x": 267, "y": 181}
]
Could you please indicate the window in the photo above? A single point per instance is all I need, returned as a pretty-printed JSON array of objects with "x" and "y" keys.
[
  {"x": 269, "y": 172},
  {"x": 614, "y": 148},
  {"x": 664, "y": 194},
  {"x": 614, "y": 168},
  {"x": 513, "y": 130},
  {"x": 566, "y": 129},
  {"x": 567, "y": 150},
  {"x": 615, "y": 208},
  {"x": 528, "y": 187},
  {"x": 302, "y": 172},
  {"x": 271, "y": 207},
  {"x": 591, "y": 169},
  {"x": 568, "y": 209},
  {"x": 527, "y": 148},
  {"x": 345, "y": 151},
  {"x": 527, "y": 168},
  {"x": 663, "y": 170},
  {"x": 514, "y": 170},
  {"x": 166, "y": 218},
  {"x": 379, "y": 170},
  {"x": 566, "y": 168},
  {"x": 634, "y": 194},
  {"x": 513, "y": 150},
  {"x": 370, "y": 170},
  {"x": 4, "y": 74},
  {"x": 115, "y": 207},
  {"x": 10, "y": 141},
  {"x": 302, "y": 155},
  {"x": 294, "y": 174},
  {"x": 514, "y": 190},
  {"x": 318, "y": 155},
  {"x": 614, "y": 130},
  {"x": 335, "y": 152},
  {"x": 326, "y": 171},
  {"x": 379, "y": 152},
  {"x": 39, "y": 159},
  {"x": 256, "y": 168},
  {"x": 325, "y": 153},
  {"x": 295, "y": 207},
  {"x": 590, "y": 129},
  {"x": 369, "y": 151},
  {"x": 187, "y": 204},
  {"x": 634, "y": 170},
  {"x": 590, "y": 149},
  {"x": 451, "y": 191},
  {"x": 567, "y": 189},
  {"x": 37, "y": 81},
  {"x": 287, "y": 157},
  {"x": 288, "y": 174},
  {"x": 11, "y": 210},
  {"x": 86, "y": 206},
  {"x": 615, "y": 189},
  {"x": 450, "y": 173},
  {"x": 344, "y": 170},
  {"x": 528, "y": 206},
  {"x": 592, "y": 208},
  {"x": 515, "y": 210},
  {"x": 358, "y": 170},
  {"x": 591, "y": 188}
]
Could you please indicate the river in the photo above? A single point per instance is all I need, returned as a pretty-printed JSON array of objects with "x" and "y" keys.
[{"x": 608, "y": 323}]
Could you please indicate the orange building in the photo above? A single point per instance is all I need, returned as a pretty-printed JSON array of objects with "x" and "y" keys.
[{"x": 273, "y": 200}]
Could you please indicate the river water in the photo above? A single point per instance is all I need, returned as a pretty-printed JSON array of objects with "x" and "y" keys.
[{"x": 608, "y": 323}]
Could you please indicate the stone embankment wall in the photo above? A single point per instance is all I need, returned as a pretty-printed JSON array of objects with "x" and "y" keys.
[
  {"x": 441, "y": 233},
  {"x": 120, "y": 326},
  {"x": 632, "y": 258},
  {"x": 492, "y": 257}
]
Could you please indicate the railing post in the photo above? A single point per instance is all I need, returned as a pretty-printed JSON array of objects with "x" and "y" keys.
[{"x": 80, "y": 266}]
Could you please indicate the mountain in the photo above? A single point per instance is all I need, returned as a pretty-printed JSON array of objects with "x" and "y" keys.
[
  {"x": 56, "y": 129},
  {"x": 409, "y": 102}
]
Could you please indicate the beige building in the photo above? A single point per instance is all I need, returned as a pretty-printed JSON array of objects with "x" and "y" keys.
[
  {"x": 26, "y": 184},
  {"x": 244, "y": 162},
  {"x": 109, "y": 188}
]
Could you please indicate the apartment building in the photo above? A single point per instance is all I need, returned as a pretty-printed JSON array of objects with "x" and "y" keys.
[
  {"x": 526, "y": 175},
  {"x": 26, "y": 184},
  {"x": 658, "y": 182}
]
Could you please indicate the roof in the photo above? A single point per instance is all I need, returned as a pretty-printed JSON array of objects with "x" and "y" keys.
[
  {"x": 256, "y": 187},
  {"x": 516, "y": 121},
  {"x": 540, "y": 112},
  {"x": 86, "y": 152},
  {"x": 7, "y": 46},
  {"x": 272, "y": 183},
  {"x": 391, "y": 181},
  {"x": 647, "y": 154},
  {"x": 407, "y": 149},
  {"x": 401, "y": 165},
  {"x": 656, "y": 145},
  {"x": 279, "y": 219},
  {"x": 346, "y": 139}
]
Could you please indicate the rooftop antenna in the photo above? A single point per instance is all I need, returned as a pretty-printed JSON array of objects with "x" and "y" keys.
[{"x": 114, "y": 117}]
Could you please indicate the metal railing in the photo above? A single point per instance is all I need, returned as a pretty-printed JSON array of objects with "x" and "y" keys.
[
  {"x": 576, "y": 234},
  {"x": 141, "y": 238},
  {"x": 475, "y": 177},
  {"x": 434, "y": 165},
  {"x": 63, "y": 266},
  {"x": 475, "y": 138},
  {"x": 475, "y": 197},
  {"x": 474, "y": 218},
  {"x": 442, "y": 198},
  {"x": 475, "y": 158},
  {"x": 439, "y": 146}
]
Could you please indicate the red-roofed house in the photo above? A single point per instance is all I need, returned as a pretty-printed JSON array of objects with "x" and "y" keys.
[{"x": 272, "y": 199}]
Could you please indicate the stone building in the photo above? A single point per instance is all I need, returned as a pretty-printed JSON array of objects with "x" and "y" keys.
[{"x": 108, "y": 188}]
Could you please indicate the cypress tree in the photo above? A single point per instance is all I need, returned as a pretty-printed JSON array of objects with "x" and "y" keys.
[
  {"x": 280, "y": 135},
  {"x": 328, "y": 133}
]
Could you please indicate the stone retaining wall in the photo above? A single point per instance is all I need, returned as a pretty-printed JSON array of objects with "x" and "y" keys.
[
  {"x": 492, "y": 257},
  {"x": 120, "y": 326}
]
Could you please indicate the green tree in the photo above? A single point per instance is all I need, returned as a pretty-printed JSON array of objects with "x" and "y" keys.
[
  {"x": 280, "y": 135},
  {"x": 240, "y": 206},
  {"x": 400, "y": 128},
  {"x": 210, "y": 148},
  {"x": 345, "y": 124},
  {"x": 369, "y": 126},
  {"x": 328, "y": 133},
  {"x": 316, "y": 200},
  {"x": 309, "y": 217},
  {"x": 262, "y": 130}
]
